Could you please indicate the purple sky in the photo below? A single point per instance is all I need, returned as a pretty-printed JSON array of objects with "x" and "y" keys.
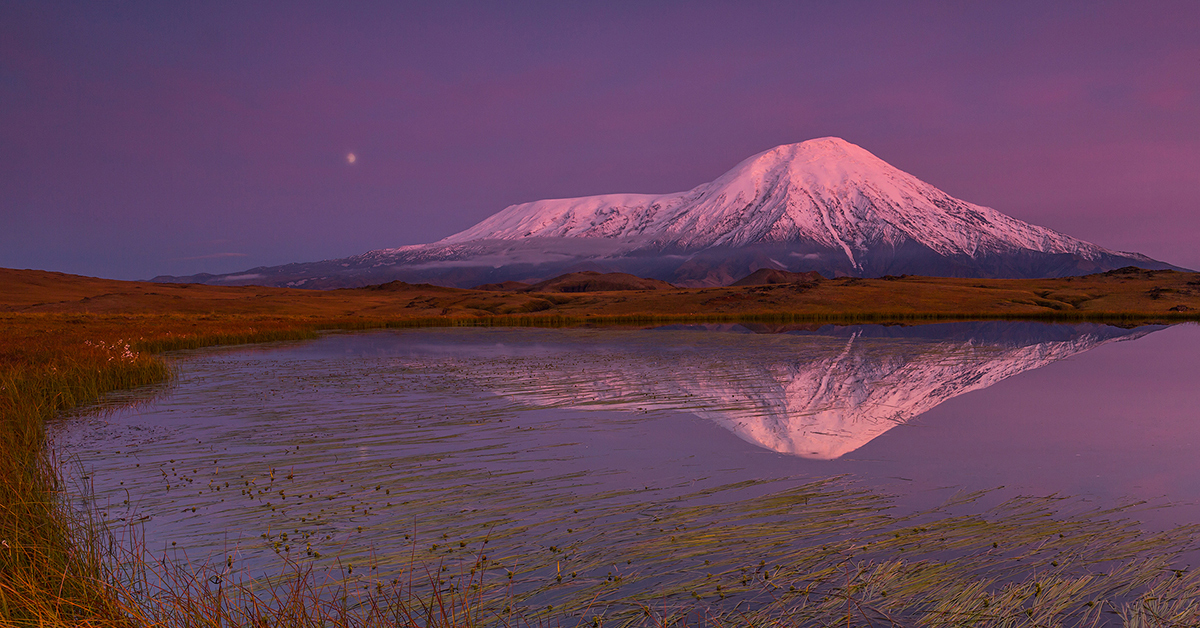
[{"x": 139, "y": 139}]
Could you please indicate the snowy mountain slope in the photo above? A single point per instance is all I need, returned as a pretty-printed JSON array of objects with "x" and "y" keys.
[
  {"x": 825, "y": 191},
  {"x": 824, "y": 205}
]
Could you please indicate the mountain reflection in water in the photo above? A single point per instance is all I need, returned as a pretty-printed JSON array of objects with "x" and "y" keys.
[
  {"x": 821, "y": 397},
  {"x": 584, "y": 437}
]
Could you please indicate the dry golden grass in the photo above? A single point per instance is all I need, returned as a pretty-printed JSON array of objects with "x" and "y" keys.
[
  {"x": 50, "y": 572},
  {"x": 1162, "y": 295}
]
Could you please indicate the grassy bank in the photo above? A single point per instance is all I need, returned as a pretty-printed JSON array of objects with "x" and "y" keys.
[{"x": 50, "y": 563}]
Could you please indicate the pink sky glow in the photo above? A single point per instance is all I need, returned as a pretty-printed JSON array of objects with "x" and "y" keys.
[{"x": 150, "y": 139}]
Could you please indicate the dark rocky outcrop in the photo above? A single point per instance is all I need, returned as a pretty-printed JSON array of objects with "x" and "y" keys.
[
  {"x": 592, "y": 281},
  {"x": 503, "y": 286}
]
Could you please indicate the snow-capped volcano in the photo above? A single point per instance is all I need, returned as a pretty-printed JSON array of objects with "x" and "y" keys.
[
  {"x": 824, "y": 205},
  {"x": 825, "y": 191}
]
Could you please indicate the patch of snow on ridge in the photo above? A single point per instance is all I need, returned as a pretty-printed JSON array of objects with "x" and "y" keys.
[{"x": 826, "y": 191}]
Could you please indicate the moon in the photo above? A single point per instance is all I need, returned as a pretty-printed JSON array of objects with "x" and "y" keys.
[{"x": 351, "y": 158}]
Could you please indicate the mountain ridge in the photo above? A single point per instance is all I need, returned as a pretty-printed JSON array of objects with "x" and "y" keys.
[
  {"x": 824, "y": 205},
  {"x": 762, "y": 199}
]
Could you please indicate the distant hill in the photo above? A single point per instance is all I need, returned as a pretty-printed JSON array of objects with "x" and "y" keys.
[
  {"x": 583, "y": 281},
  {"x": 769, "y": 276},
  {"x": 503, "y": 286}
]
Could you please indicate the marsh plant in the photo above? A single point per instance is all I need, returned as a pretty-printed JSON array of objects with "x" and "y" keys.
[{"x": 822, "y": 554}]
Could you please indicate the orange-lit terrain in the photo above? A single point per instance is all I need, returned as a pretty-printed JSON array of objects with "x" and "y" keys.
[{"x": 1124, "y": 293}]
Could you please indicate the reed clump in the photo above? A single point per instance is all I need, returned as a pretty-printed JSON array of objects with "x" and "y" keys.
[
  {"x": 50, "y": 567},
  {"x": 42, "y": 374}
]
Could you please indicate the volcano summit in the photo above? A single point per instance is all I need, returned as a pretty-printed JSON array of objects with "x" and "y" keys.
[{"x": 824, "y": 205}]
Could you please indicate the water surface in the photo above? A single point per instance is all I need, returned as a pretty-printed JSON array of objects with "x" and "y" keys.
[{"x": 572, "y": 449}]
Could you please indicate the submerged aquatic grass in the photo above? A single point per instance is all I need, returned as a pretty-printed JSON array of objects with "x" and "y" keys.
[{"x": 770, "y": 561}]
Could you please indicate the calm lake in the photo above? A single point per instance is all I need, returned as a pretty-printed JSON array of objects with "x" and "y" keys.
[{"x": 626, "y": 456}]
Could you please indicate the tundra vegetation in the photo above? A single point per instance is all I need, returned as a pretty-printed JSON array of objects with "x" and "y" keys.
[{"x": 66, "y": 342}]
